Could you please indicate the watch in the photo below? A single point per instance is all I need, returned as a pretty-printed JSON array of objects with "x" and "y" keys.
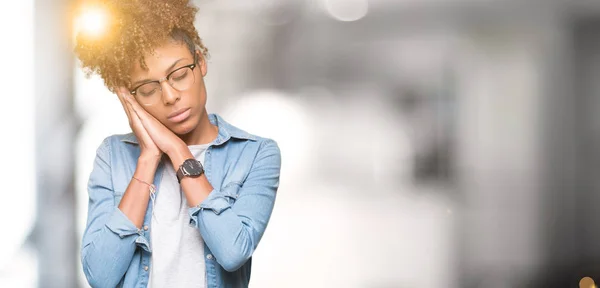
[{"x": 190, "y": 168}]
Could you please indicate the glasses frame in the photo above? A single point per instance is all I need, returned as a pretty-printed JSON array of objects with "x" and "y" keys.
[{"x": 166, "y": 78}]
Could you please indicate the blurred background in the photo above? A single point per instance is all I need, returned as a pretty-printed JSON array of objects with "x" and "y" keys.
[{"x": 425, "y": 143}]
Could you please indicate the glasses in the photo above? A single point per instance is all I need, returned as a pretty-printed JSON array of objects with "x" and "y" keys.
[{"x": 150, "y": 92}]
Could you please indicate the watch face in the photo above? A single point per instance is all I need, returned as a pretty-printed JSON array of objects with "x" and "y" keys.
[{"x": 192, "y": 167}]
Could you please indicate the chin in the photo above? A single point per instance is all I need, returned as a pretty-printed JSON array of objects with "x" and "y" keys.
[
  {"x": 185, "y": 127},
  {"x": 182, "y": 129}
]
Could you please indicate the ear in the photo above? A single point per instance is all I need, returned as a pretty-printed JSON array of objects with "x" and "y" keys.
[{"x": 201, "y": 63}]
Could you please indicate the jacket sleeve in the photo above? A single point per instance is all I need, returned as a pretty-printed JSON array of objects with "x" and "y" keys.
[
  {"x": 232, "y": 231},
  {"x": 110, "y": 238}
]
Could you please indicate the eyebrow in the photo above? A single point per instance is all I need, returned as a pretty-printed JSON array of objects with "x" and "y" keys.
[{"x": 143, "y": 81}]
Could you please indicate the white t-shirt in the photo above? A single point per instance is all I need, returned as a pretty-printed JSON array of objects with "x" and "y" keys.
[{"x": 177, "y": 247}]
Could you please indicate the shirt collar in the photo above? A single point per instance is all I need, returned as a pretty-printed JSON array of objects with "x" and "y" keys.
[{"x": 226, "y": 132}]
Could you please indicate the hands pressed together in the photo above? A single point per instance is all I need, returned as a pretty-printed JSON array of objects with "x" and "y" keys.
[{"x": 153, "y": 137}]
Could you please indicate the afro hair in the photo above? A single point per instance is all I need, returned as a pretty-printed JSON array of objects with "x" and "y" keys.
[{"x": 135, "y": 27}]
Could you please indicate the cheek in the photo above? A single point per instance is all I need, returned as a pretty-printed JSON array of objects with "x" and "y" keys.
[
  {"x": 197, "y": 97},
  {"x": 200, "y": 89}
]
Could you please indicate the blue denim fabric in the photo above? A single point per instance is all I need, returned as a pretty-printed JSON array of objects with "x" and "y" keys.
[{"x": 244, "y": 171}]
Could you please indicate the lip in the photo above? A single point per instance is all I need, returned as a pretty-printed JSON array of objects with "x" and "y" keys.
[{"x": 179, "y": 115}]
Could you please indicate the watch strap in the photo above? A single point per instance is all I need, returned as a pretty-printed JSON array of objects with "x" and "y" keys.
[{"x": 179, "y": 173}]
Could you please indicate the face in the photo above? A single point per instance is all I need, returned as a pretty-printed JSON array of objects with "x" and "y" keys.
[{"x": 178, "y": 109}]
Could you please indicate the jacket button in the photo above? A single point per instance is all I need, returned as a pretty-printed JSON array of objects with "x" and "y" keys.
[
  {"x": 209, "y": 257},
  {"x": 145, "y": 228},
  {"x": 145, "y": 268}
]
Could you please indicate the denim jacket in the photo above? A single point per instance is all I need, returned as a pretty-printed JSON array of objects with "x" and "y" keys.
[{"x": 242, "y": 168}]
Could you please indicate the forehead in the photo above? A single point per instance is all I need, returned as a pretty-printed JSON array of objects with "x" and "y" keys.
[{"x": 159, "y": 60}]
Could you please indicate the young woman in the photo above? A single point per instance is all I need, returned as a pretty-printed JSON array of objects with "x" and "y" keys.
[{"x": 183, "y": 200}]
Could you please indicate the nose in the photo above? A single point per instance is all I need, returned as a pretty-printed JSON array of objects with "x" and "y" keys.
[{"x": 169, "y": 94}]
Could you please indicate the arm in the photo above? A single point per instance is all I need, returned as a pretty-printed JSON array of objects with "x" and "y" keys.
[
  {"x": 110, "y": 237},
  {"x": 135, "y": 200},
  {"x": 195, "y": 189},
  {"x": 232, "y": 232}
]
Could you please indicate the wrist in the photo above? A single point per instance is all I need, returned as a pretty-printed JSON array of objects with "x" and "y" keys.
[
  {"x": 179, "y": 155},
  {"x": 150, "y": 161},
  {"x": 145, "y": 169},
  {"x": 175, "y": 147}
]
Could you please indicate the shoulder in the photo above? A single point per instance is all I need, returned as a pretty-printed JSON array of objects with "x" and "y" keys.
[
  {"x": 268, "y": 145},
  {"x": 118, "y": 145},
  {"x": 117, "y": 140},
  {"x": 240, "y": 135},
  {"x": 249, "y": 144}
]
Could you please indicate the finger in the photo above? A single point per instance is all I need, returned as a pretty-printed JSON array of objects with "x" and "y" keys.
[
  {"x": 132, "y": 103},
  {"x": 136, "y": 106},
  {"x": 126, "y": 108},
  {"x": 136, "y": 121},
  {"x": 133, "y": 114},
  {"x": 145, "y": 130},
  {"x": 150, "y": 124},
  {"x": 120, "y": 93},
  {"x": 141, "y": 113}
]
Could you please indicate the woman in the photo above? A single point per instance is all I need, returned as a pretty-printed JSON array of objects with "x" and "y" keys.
[{"x": 183, "y": 200}]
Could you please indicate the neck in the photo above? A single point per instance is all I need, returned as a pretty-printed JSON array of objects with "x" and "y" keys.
[{"x": 204, "y": 133}]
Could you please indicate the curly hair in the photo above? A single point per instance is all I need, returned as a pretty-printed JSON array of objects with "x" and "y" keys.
[{"x": 136, "y": 27}]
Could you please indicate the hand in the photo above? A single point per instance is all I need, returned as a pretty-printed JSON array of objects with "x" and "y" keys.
[
  {"x": 160, "y": 135},
  {"x": 147, "y": 146}
]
